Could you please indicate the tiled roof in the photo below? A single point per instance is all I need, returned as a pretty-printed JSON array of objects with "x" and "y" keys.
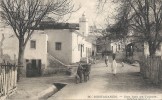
[{"x": 53, "y": 25}]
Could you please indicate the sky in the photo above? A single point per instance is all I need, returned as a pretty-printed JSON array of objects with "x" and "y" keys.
[{"x": 89, "y": 8}]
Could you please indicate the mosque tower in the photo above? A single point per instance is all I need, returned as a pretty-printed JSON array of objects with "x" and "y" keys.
[{"x": 83, "y": 25}]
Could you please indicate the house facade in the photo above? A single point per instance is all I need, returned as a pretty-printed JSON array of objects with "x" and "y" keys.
[
  {"x": 66, "y": 42},
  {"x": 140, "y": 47},
  {"x": 114, "y": 46},
  {"x": 35, "y": 51},
  {"x": 67, "y": 45}
]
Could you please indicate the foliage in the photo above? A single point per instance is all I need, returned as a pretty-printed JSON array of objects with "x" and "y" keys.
[{"x": 143, "y": 17}]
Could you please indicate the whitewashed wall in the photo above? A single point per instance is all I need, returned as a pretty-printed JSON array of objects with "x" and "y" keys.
[
  {"x": 159, "y": 51},
  {"x": 146, "y": 50},
  {"x": 41, "y": 47},
  {"x": 114, "y": 47},
  {"x": 65, "y": 37},
  {"x": 89, "y": 46},
  {"x": 10, "y": 46},
  {"x": 10, "y": 43},
  {"x": 76, "y": 52}
]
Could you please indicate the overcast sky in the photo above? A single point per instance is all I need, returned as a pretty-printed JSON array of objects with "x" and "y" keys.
[{"x": 89, "y": 7}]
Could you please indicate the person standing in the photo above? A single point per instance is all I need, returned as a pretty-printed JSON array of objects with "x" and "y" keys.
[
  {"x": 80, "y": 72},
  {"x": 106, "y": 60},
  {"x": 113, "y": 66}
]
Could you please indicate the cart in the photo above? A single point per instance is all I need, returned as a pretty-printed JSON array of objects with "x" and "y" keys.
[{"x": 82, "y": 72}]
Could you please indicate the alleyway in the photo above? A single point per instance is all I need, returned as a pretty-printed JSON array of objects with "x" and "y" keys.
[{"x": 103, "y": 84}]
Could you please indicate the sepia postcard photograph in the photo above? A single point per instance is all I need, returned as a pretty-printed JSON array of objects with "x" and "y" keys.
[{"x": 80, "y": 49}]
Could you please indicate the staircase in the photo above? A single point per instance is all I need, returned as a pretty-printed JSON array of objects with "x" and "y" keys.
[
  {"x": 56, "y": 66},
  {"x": 50, "y": 57}
]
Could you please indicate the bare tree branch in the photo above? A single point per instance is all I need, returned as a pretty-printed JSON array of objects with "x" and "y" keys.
[{"x": 25, "y": 15}]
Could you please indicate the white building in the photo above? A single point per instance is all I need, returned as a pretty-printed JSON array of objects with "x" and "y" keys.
[
  {"x": 68, "y": 41},
  {"x": 35, "y": 51},
  {"x": 157, "y": 53},
  {"x": 67, "y": 45},
  {"x": 116, "y": 46},
  {"x": 65, "y": 42}
]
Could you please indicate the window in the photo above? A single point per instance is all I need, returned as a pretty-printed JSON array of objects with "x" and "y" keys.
[
  {"x": 79, "y": 46},
  {"x": 58, "y": 46},
  {"x": 33, "y": 44}
]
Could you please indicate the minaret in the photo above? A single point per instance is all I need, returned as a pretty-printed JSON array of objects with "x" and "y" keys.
[{"x": 83, "y": 25}]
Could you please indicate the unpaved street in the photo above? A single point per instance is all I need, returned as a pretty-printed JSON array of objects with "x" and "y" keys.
[{"x": 103, "y": 85}]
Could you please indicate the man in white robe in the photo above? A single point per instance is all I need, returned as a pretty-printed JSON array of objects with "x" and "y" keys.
[{"x": 114, "y": 66}]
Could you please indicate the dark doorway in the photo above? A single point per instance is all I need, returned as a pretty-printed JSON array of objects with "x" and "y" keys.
[
  {"x": 129, "y": 50},
  {"x": 39, "y": 67},
  {"x": 81, "y": 51},
  {"x": 33, "y": 68},
  {"x": 93, "y": 53}
]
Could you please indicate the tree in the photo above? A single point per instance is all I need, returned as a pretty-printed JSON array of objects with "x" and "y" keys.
[
  {"x": 144, "y": 17},
  {"x": 1, "y": 44},
  {"x": 25, "y": 15},
  {"x": 147, "y": 18},
  {"x": 119, "y": 29}
]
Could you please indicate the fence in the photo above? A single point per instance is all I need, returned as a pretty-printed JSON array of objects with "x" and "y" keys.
[
  {"x": 8, "y": 79},
  {"x": 152, "y": 69}
]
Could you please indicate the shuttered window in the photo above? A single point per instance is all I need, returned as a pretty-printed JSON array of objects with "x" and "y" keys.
[{"x": 58, "y": 45}]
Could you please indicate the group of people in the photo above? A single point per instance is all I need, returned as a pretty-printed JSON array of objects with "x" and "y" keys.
[
  {"x": 113, "y": 63},
  {"x": 83, "y": 70}
]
